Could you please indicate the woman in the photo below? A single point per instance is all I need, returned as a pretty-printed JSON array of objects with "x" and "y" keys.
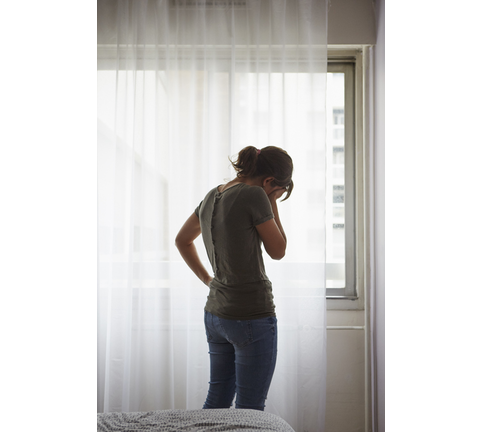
[{"x": 240, "y": 319}]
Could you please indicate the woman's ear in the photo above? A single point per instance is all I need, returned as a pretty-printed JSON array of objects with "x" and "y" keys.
[{"x": 267, "y": 181}]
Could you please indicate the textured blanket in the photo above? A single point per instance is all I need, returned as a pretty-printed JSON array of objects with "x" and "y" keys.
[{"x": 192, "y": 420}]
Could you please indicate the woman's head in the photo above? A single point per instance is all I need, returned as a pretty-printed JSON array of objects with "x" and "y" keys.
[{"x": 270, "y": 161}]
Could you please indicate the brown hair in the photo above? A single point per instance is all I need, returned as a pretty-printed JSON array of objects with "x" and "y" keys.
[{"x": 270, "y": 161}]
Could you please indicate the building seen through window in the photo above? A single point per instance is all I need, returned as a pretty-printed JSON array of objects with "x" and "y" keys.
[{"x": 335, "y": 196}]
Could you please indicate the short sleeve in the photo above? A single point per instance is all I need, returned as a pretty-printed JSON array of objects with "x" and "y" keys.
[
  {"x": 260, "y": 206},
  {"x": 197, "y": 209}
]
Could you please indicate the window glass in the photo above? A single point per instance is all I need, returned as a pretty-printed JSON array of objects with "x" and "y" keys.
[{"x": 335, "y": 196}]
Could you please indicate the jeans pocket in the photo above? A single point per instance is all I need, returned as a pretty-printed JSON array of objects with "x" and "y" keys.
[{"x": 238, "y": 332}]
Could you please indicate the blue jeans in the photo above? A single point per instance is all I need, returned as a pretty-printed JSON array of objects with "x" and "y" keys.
[{"x": 243, "y": 357}]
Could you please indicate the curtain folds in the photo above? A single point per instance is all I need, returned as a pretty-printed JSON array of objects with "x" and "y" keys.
[{"x": 182, "y": 85}]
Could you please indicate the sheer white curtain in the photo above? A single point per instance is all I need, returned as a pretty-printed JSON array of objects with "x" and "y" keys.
[{"x": 182, "y": 85}]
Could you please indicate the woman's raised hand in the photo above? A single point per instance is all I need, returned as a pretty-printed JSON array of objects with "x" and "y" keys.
[{"x": 277, "y": 193}]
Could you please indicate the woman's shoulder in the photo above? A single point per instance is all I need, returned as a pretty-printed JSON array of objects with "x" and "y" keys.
[
  {"x": 255, "y": 191},
  {"x": 208, "y": 198},
  {"x": 253, "y": 196},
  {"x": 211, "y": 192}
]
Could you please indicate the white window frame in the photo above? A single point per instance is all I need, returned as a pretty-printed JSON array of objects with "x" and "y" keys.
[{"x": 352, "y": 60}]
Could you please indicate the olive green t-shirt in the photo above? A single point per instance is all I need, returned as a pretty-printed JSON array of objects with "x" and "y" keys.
[{"x": 240, "y": 288}]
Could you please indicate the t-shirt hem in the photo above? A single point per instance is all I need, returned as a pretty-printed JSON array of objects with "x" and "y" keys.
[
  {"x": 264, "y": 219},
  {"x": 242, "y": 318}
]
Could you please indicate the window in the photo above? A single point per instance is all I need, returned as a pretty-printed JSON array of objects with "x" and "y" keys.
[
  {"x": 338, "y": 193},
  {"x": 338, "y": 116},
  {"x": 344, "y": 241},
  {"x": 343, "y": 252}
]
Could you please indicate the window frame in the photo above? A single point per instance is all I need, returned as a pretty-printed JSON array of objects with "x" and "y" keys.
[
  {"x": 348, "y": 69},
  {"x": 354, "y": 60}
]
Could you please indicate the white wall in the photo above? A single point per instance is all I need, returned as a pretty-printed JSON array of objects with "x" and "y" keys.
[
  {"x": 345, "y": 384},
  {"x": 351, "y": 22}
]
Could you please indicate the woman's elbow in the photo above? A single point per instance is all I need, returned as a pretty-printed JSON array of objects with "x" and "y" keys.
[
  {"x": 277, "y": 254},
  {"x": 179, "y": 242}
]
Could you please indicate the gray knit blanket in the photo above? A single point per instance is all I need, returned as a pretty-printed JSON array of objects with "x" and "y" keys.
[{"x": 215, "y": 420}]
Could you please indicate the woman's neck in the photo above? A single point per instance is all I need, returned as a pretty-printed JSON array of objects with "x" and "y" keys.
[{"x": 246, "y": 180}]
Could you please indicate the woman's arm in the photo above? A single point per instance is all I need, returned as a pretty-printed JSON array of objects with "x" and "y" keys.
[
  {"x": 185, "y": 243},
  {"x": 271, "y": 232}
]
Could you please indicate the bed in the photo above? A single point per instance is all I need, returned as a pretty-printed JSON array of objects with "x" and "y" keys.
[{"x": 214, "y": 420}]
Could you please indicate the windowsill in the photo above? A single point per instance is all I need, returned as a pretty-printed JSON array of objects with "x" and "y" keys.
[{"x": 344, "y": 303}]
